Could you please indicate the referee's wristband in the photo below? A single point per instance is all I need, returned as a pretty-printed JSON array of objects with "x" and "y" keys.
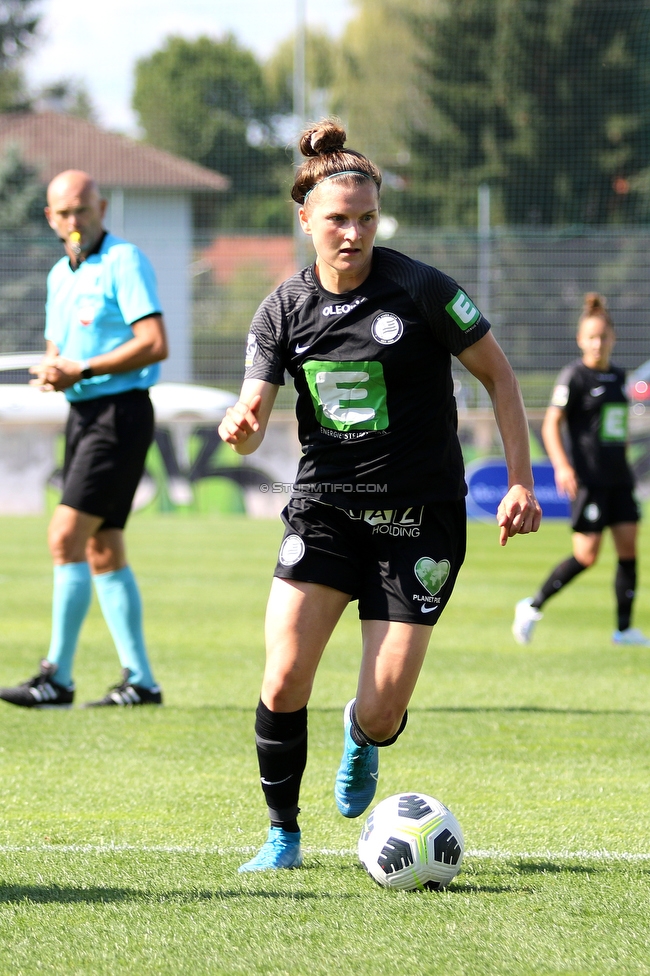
[{"x": 86, "y": 370}]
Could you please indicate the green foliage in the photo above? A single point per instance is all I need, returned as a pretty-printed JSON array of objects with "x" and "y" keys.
[
  {"x": 22, "y": 196},
  {"x": 122, "y": 830},
  {"x": 376, "y": 90},
  {"x": 69, "y": 96},
  {"x": 13, "y": 92},
  {"x": 18, "y": 27},
  {"x": 206, "y": 100},
  {"x": 548, "y": 100},
  {"x": 322, "y": 64}
]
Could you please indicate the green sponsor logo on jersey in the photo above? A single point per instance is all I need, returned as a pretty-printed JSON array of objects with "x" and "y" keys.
[
  {"x": 613, "y": 422},
  {"x": 462, "y": 310},
  {"x": 348, "y": 396},
  {"x": 433, "y": 575}
]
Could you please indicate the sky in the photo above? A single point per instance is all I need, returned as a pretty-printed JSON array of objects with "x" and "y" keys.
[{"x": 99, "y": 43}]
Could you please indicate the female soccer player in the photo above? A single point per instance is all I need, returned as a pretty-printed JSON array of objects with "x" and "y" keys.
[
  {"x": 589, "y": 397},
  {"x": 377, "y": 514}
]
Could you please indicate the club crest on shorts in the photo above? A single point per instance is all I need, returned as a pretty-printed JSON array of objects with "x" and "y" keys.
[
  {"x": 292, "y": 550},
  {"x": 431, "y": 574},
  {"x": 592, "y": 512},
  {"x": 387, "y": 328}
]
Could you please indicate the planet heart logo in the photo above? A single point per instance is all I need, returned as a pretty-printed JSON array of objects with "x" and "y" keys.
[{"x": 433, "y": 575}]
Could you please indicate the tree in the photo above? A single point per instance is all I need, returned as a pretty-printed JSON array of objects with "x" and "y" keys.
[
  {"x": 69, "y": 96},
  {"x": 547, "y": 100},
  {"x": 207, "y": 100},
  {"x": 22, "y": 195},
  {"x": 378, "y": 92},
  {"x": 27, "y": 252},
  {"x": 18, "y": 24},
  {"x": 322, "y": 57},
  {"x": 18, "y": 27}
]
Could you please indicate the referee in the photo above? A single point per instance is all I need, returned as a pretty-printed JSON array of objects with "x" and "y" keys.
[{"x": 104, "y": 338}]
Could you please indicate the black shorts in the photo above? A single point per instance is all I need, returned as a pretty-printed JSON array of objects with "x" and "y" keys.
[
  {"x": 595, "y": 508},
  {"x": 400, "y": 564},
  {"x": 106, "y": 444}
]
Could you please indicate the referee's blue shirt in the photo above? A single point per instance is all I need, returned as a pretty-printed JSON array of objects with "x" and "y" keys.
[{"x": 89, "y": 311}]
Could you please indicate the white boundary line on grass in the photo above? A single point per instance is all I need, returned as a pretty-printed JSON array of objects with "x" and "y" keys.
[{"x": 482, "y": 855}]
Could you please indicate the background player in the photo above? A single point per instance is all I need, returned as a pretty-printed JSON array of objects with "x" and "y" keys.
[
  {"x": 589, "y": 399},
  {"x": 104, "y": 333},
  {"x": 378, "y": 511}
]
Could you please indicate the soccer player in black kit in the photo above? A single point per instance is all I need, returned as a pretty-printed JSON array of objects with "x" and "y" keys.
[
  {"x": 378, "y": 510},
  {"x": 589, "y": 398}
]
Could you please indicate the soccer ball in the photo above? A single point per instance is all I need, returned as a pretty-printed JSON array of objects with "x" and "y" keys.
[{"x": 411, "y": 841}]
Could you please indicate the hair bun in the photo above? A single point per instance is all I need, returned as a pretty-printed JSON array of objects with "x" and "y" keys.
[
  {"x": 325, "y": 137},
  {"x": 594, "y": 303}
]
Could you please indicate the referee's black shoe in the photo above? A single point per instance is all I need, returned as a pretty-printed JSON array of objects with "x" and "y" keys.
[
  {"x": 41, "y": 691},
  {"x": 127, "y": 694}
]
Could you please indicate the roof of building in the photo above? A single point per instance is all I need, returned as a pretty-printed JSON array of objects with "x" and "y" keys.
[
  {"x": 272, "y": 257},
  {"x": 53, "y": 142}
]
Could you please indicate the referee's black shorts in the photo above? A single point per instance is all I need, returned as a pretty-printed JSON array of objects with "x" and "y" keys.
[
  {"x": 106, "y": 444},
  {"x": 399, "y": 563}
]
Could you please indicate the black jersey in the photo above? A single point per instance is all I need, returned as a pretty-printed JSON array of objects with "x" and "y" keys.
[
  {"x": 596, "y": 411},
  {"x": 372, "y": 368}
]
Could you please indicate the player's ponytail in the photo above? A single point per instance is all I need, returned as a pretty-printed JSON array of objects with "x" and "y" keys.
[
  {"x": 594, "y": 306},
  {"x": 323, "y": 145}
]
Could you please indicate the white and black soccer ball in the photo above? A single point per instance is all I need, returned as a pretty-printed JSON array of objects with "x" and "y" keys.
[{"x": 411, "y": 841}]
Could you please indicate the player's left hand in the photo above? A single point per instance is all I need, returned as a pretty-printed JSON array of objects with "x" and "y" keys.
[
  {"x": 55, "y": 374},
  {"x": 519, "y": 513}
]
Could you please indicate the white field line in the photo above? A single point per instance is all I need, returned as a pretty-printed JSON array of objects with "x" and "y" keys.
[{"x": 481, "y": 855}]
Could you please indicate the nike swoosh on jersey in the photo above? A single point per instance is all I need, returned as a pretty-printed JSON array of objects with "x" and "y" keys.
[
  {"x": 428, "y": 609},
  {"x": 598, "y": 390},
  {"x": 299, "y": 349}
]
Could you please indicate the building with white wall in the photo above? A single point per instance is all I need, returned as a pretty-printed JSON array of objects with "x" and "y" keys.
[{"x": 149, "y": 193}]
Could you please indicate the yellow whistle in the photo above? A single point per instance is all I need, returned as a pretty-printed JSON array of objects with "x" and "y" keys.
[{"x": 75, "y": 237}]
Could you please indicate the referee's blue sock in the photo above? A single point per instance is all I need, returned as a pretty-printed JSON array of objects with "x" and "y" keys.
[
  {"x": 70, "y": 602},
  {"x": 119, "y": 599}
]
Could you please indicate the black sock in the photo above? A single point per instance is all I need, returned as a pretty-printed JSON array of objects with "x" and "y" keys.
[
  {"x": 624, "y": 586},
  {"x": 359, "y": 736},
  {"x": 560, "y": 576},
  {"x": 281, "y": 739}
]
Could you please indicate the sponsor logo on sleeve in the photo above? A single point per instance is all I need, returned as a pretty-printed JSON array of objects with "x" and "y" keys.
[
  {"x": 463, "y": 311},
  {"x": 560, "y": 396},
  {"x": 251, "y": 349}
]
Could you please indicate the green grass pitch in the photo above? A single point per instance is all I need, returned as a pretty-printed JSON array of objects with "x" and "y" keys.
[{"x": 121, "y": 831}]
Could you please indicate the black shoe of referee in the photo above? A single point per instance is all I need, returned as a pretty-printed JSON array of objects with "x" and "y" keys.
[
  {"x": 127, "y": 694},
  {"x": 40, "y": 692}
]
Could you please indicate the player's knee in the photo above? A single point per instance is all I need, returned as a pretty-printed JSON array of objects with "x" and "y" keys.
[
  {"x": 382, "y": 726},
  {"x": 64, "y": 545},
  {"x": 285, "y": 692},
  {"x": 587, "y": 559}
]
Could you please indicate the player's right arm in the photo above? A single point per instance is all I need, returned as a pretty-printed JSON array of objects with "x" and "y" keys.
[
  {"x": 565, "y": 476},
  {"x": 244, "y": 425}
]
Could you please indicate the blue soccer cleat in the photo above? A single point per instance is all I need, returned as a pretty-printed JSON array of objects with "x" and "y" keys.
[
  {"x": 356, "y": 780},
  {"x": 281, "y": 850},
  {"x": 632, "y": 637}
]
